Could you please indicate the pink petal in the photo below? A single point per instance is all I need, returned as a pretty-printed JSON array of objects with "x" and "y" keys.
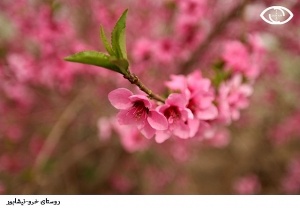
[
  {"x": 147, "y": 131},
  {"x": 162, "y": 108},
  {"x": 157, "y": 120},
  {"x": 178, "y": 82},
  {"x": 208, "y": 114},
  {"x": 181, "y": 130},
  {"x": 186, "y": 114},
  {"x": 126, "y": 117},
  {"x": 142, "y": 98},
  {"x": 119, "y": 98},
  {"x": 235, "y": 114},
  {"x": 194, "y": 126},
  {"x": 162, "y": 136},
  {"x": 176, "y": 99},
  {"x": 246, "y": 89}
]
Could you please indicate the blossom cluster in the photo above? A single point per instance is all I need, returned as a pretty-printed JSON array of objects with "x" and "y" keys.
[
  {"x": 194, "y": 103},
  {"x": 206, "y": 96}
]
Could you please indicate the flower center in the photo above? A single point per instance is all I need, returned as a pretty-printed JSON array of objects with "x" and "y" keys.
[
  {"x": 140, "y": 110},
  {"x": 172, "y": 113},
  {"x": 192, "y": 106}
]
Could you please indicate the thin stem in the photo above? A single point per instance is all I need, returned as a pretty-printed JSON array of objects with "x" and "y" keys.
[
  {"x": 59, "y": 128},
  {"x": 133, "y": 79}
]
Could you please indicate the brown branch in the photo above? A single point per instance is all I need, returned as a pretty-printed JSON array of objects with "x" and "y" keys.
[
  {"x": 218, "y": 29},
  {"x": 133, "y": 79},
  {"x": 58, "y": 129}
]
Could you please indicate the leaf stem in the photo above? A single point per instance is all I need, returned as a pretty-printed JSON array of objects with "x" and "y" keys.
[{"x": 133, "y": 79}]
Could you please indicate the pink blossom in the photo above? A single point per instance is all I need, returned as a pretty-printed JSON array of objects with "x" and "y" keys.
[
  {"x": 286, "y": 130},
  {"x": 194, "y": 8},
  {"x": 233, "y": 97},
  {"x": 199, "y": 93},
  {"x": 137, "y": 110},
  {"x": 180, "y": 118},
  {"x": 14, "y": 133},
  {"x": 180, "y": 150},
  {"x": 236, "y": 56},
  {"x": 157, "y": 178},
  {"x": 143, "y": 50},
  {"x": 188, "y": 34},
  {"x": 121, "y": 183},
  {"x": 257, "y": 57},
  {"x": 165, "y": 50},
  {"x": 131, "y": 138},
  {"x": 216, "y": 137},
  {"x": 12, "y": 163},
  {"x": 249, "y": 184},
  {"x": 20, "y": 66},
  {"x": 104, "y": 128}
]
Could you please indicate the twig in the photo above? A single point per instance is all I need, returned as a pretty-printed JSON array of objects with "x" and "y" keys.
[
  {"x": 219, "y": 27},
  {"x": 58, "y": 129},
  {"x": 133, "y": 79}
]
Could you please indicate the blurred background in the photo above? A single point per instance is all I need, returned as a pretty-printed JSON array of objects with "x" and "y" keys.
[{"x": 58, "y": 133}]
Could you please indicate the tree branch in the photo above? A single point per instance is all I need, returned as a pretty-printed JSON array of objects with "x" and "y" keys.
[
  {"x": 218, "y": 29},
  {"x": 58, "y": 129},
  {"x": 133, "y": 79}
]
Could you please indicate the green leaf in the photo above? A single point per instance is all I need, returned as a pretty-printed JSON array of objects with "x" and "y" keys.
[
  {"x": 93, "y": 58},
  {"x": 121, "y": 63},
  {"x": 118, "y": 37},
  {"x": 105, "y": 42}
]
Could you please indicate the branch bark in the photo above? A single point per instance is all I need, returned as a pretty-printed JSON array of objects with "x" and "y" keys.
[{"x": 133, "y": 79}]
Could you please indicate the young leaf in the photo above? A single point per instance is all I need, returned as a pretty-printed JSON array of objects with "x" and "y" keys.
[
  {"x": 118, "y": 37},
  {"x": 93, "y": 58},
  {"x": 121, "y": 63},
  {"x": 105, "y": 42}
]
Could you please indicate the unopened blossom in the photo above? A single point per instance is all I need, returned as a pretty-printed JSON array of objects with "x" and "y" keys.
[
  {"x": 181, "y": 119},
  {"x": 233, "y": 97},
  {"x": 137, "y": 110}
]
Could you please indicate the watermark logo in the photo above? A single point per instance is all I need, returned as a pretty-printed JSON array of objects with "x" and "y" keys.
[{"x": 276, "y": 15}]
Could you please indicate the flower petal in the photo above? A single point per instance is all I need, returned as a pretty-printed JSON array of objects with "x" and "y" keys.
[
  {"x": 147, "y": 131},
  {"x": 142, "y": 98},
  {"x": 157, "y": 120},
  {"x": 208, "y": 113},
  {"x": 126, "y": 117},
  {"x": 181, "y": 130},
  {"x": 194, "y": 126},
  {"x": 177, "y": 99},
  {"x": 162, "y": 136},
  {"x": 119, "y": 98}
]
